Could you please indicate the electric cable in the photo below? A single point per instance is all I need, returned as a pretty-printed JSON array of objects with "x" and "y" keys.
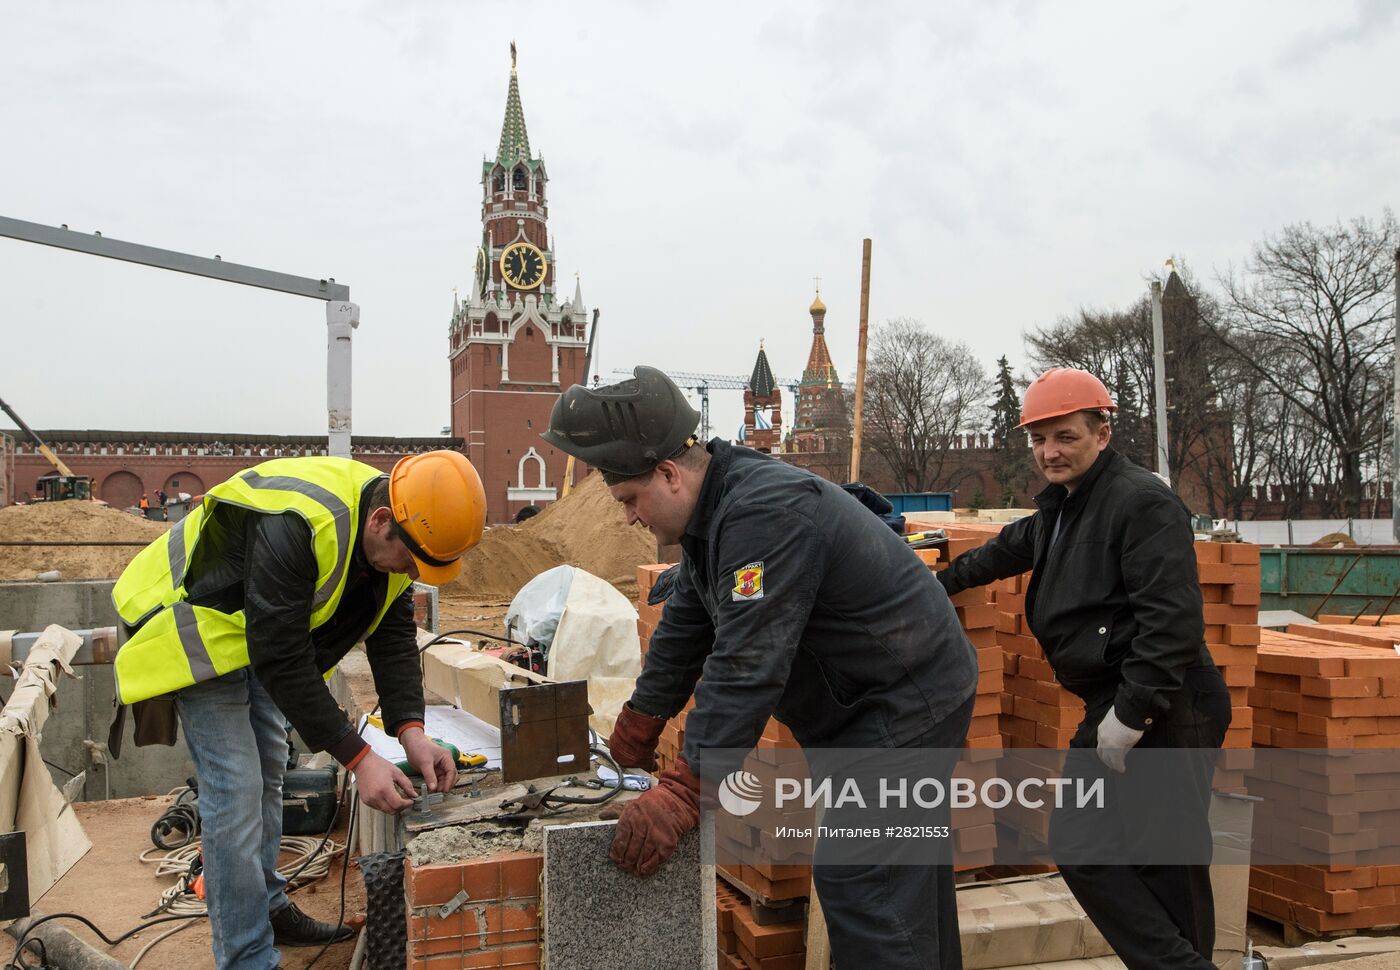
[
  {"x": 605, "y": 754},
  {"x": 43, "y": 952},
  {"x": 14, "y": 960},
  {"x": 160, "y": 939},
  {"x": 476, "y": 633},
  {"x": 312, "y": 861},
  {"x": 344, "y": 868},
  {"x": 182, "y": 817}
]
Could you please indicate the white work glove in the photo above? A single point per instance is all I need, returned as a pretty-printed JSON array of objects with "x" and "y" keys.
[{"x": 1115, "y": 739}]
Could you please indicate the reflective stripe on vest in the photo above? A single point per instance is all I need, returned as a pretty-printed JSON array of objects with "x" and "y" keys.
[
  {"x": 340, "y": 515},
  {"x": 180, "y": 644}
]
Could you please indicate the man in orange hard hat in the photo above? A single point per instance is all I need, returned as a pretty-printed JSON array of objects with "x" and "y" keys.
[
  {"x": 1115, "y": 601},
  {"x": 232, "y": 619}
]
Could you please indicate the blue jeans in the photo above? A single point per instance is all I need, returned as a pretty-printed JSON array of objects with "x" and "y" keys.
[{"x": 238, "y": 739}]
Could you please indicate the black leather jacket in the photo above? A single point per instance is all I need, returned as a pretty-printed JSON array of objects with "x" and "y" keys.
[
  {"x": 264, "y": 565},
  {"x": 794, "y": 600},
  {"x": 1116, "y": 602}
]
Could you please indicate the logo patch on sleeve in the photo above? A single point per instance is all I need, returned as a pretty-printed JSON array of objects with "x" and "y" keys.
[{"x": 748, "y": 582}]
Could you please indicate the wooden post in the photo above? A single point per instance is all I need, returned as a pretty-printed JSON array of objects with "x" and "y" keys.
[{"x": 859, "y": 422}]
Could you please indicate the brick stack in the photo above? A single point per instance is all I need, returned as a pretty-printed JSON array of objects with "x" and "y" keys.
[
  {"x": 778, "y": 946},
  {"x": 1312, "y": 693},
  {"x": 498, "y": 927},
  {"x": 1229, "y": 573},
  {"x": 1316, "y": 694},
  {"x": 974, "y": 829},
  {"x": 1383, "y": 637},
  {"x": 1365, "y": 619}
]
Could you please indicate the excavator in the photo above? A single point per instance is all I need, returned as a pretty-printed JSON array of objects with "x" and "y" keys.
[{"x": 62, "y": 484}]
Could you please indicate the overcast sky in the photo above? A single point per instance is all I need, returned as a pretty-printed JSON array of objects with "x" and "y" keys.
[{"x": 1011, "y": 161}]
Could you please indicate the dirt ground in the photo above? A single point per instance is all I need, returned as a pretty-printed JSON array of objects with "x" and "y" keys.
[
  {"x": 70, "y": 521},
  {"x": 113, "y": 888}
]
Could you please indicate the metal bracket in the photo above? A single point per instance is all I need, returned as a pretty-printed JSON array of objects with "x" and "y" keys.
[{"x": 453, "y": 904}]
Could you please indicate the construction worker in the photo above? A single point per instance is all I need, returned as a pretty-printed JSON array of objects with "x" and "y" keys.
[
  {"x": 791, "y": 601},
  {"x": 145, "y": 502},
  {"x": 1115, "y": 601},
  {"x": 234, "y": 617}
]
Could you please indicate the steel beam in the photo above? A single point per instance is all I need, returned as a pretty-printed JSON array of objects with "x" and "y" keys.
[{"x": 213, "y": 268}]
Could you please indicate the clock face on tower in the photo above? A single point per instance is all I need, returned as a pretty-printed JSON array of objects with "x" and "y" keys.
[{"x": 523, "y": 266}]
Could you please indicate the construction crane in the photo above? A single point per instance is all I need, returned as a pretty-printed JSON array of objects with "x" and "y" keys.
[
  {"x": 702, "y": 384},
  {"x": 55, "y": 487}
]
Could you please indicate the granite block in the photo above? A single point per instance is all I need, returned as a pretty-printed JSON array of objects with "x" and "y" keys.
[{"x": 598, "y": 917}]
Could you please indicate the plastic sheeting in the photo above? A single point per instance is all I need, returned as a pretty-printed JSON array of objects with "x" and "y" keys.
[{"x": 588, "y": 631}]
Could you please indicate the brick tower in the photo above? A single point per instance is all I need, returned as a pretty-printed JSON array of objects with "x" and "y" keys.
[
  {"x": 514, "y": 346},
  {"x": 821, "y": 433},
  {"x": 763, "y": 408}
]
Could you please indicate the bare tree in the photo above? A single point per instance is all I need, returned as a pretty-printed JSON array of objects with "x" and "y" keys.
[
  {"x": 921, "y": 392},
  {"x": 1320, "y": 299},
  {"x": 1116, "y": 345}
]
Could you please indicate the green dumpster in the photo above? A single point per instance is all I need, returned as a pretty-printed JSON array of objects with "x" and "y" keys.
[{"x": 1364, "y": 579}]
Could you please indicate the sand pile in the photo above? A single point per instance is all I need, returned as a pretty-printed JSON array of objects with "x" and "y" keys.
[
  {"x": 588, "y": 529},
  {"x": 70, "y": 521}
]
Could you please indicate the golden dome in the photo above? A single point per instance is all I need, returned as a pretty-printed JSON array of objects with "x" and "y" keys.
[{"x": 817, "y": 305}]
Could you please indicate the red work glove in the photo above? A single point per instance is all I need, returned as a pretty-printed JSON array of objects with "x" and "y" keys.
[
  {"x": 633, "y": 740},
  {"x": 650, "y": 827}
]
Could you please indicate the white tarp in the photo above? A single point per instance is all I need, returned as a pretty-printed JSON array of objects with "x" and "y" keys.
[
  {"x": 589, "y": 631},
  {"x": 29, "y": 801}
]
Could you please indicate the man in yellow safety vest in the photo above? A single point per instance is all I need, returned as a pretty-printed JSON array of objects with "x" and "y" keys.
[{"x": 235, "y": 616}]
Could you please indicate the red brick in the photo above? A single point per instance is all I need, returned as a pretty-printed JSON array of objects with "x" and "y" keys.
[
  {"x": 1208, "y": 552},
  {"x": 1240, "y": 552},
  {"x": 767, "y": 941},
  {"x": 1243, "y": 594},
  {"x": 520, "y": 875},
  {"x": 431, "y": 885}
]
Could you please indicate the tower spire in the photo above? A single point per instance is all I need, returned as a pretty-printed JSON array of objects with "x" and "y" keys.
[{"x": 515, "y": 141}]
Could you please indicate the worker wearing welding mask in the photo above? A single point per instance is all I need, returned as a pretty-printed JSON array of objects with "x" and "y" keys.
[
  {"x": 234, "y": 619},
  {"x": 792, "y": 601},
  {"x": 1115, "y": 601}
]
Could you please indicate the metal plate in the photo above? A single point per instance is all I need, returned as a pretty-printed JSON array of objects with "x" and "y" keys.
[
  {"x": 544, "y": 730},
  {"x": 14, "y": 876}
]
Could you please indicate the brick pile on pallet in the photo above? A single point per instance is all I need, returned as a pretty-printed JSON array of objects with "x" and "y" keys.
[
  {"x": 1383, "y": 637},
  {"x": 744, "y": 944},
  {"x": 1318, "y": 694},
  {"x": 974, "y": 829},
  {"x": 498, "y": 925}
]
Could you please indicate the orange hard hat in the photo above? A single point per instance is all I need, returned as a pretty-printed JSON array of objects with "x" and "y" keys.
[
  {"x": 439, "y": 510},
  {"x": 1063, "y": 390}
]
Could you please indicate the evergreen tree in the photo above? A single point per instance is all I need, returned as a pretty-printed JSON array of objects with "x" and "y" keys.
[
  {"x": 1010, "y": 456},
  {"x": 1130, "y": 434}
]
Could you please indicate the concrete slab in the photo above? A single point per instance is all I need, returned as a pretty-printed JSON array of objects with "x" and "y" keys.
[{"x": 597, "y": 917}]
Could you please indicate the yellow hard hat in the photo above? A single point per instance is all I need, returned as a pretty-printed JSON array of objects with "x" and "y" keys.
[{"x": 439, "y": 511}]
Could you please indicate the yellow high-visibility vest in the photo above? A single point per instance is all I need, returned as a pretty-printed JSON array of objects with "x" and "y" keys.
[{"x": 179, "y": 644}]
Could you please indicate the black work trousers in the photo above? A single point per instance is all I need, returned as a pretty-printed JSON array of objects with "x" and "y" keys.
[
  {"x": 898, "y": 917},
  {"x": 1155, "y": 916}
]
